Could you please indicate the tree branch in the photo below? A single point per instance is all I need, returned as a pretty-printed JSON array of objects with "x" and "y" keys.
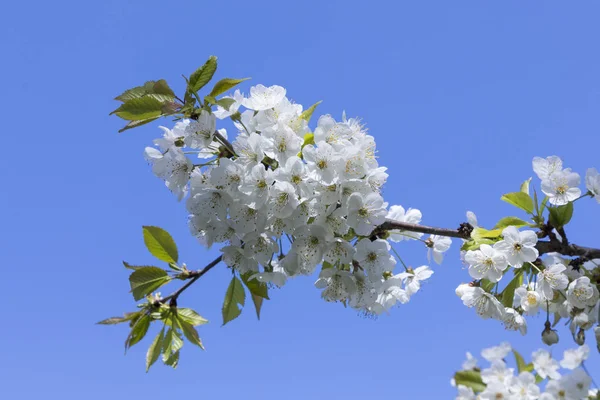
[
  {"x": 405, "y": 226},
  {"x": 193, "y": 277},
  {"x": 543, "y": 247}
]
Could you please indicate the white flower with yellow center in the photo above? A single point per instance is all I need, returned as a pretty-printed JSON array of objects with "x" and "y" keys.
[
  {"x": 486, "y": 263},
  {"x": 561, "y": 187}
]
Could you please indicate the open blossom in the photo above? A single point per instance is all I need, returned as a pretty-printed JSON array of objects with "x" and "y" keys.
[
  {"x": 529, "y": 300},
  {"x": 545, "y": 168},
  {"x": 574, "y": 357},
  {"x": 552, "y": 278},
  {"x": 561, "y": 187},
  {"x": 199, "y": 133},
  {"x": 437, "y": 245},
  {"x": 365, "y": 213},
  {"x": 518, "y": 247},
  {"x": 592, "y": 183},
  {"x": 413, "y": 278},
  {"x": 486, "y": 305},
  {"x": 486, "y": 262},
  {"x": 496, "y": 353},
  {"x": 523, "y": 387},
  {"x": 263, "y": 98},
  {"x": 514, "y": 321},
  {"x": 581, "y": 293},
  {"x": 545, "y": 365},
  {"x": 173, "y": 167},
  {"x": 374, "y": 257}
]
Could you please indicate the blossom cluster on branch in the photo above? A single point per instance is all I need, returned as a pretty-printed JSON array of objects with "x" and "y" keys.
[
  {"x": 541, "y": 379},
  {"x": 284, "y": 200},
  {"x": 550, "y": 283}
]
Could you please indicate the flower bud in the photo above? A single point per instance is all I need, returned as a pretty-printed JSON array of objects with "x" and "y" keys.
[
  {"x": 580, "y": 337},
  {"x": 549, "y": 336}
]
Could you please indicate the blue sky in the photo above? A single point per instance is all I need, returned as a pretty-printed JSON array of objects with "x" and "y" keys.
[{"x": 459, "y": 96}]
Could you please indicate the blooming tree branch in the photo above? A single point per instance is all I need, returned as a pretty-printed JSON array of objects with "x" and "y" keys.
[{"x": 286, "y": 200}]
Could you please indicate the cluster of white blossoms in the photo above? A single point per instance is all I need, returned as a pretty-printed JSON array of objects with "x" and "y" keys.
[
  {"x": 542, "y": 379},
  {"x": 285, "y": 200},
  {"x": 555, "y": 286},
  {"x": 561, "y": 185}
]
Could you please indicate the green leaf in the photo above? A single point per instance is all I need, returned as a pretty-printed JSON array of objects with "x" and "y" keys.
[
  {"x": 155, "y": 349},
  {"x": 258, "y": 290},
  {"x": 190, "y": 316},
  {"x": 172, "y": 343},
  {"x": 138, "y": 109},
  {"x": 224, "y": 85},
  {"x": 118, "y": 320},
  {"x": 538, "y": 379},
  {"x": 255, "y": 286},
  {"x": 521, "y": 365},
  {"x": 160, "y": 244},
  {"x": 543, "y": 205},
  {"x": 225, "y": 102},
  {"x": 135, "y": 124},
  {"x": 161, "y": 87},
  {"x": 470, "y": 379},
  {"x": 560, "y": 216},
  {"x": 309, "y": 138},
  {"x": 172, "y": 360},
  {"x": 202, "y": 75},
  {"x": 191, "y": 334},
  {"x": 306, "y": 114},
  {"x": 150, "y": 87},
  {"x": 235, "y": 295},
  {"x": 520, "y": 200},
  {"x": 480, "y": 233},
  {"x": 525, "y": 186},
  {"x": 487, "y": 285},
  {"x": 508, "y": 294},
  {"x": 510, "y": 221},
  {"x": 145, "y": 280},
  {"x": 258, "y": 301},
  {"x": 138, "y": 331}
]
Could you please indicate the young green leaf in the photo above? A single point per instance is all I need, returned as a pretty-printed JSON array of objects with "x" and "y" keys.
[
  {"x": 521, "y": 365},
  {"x": 172, "y": 343},
  {"x": 202, "y": 75},
  {"x": 258, "y": 290},
  {"x": 560, "y": 216},
  {"x": 225, "y": 102},
  {"x": 470, "y": 379},
  {"x": 135, "y": 124},
  {"x": 224, "y": 85},
  {"x": 258, "y": 302},
  {"x": 155, "y": 349},
  {"x": 191, "y": 334},
  {"x": 172, "y": 360},
  {"x": 480, "y": 233},
  {"x": 520, "y": 200},
  {"x": 144, "y": 281},
  {"x": 525, "y": 186},
  {"x": 139, "y": 109},
  {"x": 255, "y": 286},
  {"x": 138, "y": 331},
  {"x": 190, "y": 316},
  {"x": 510, "y": 221},
  {"x": 235, "y": 295},
  {"x": 160, "y": 244},
  {"x": 118, "y": 320},
  {"x": 508, "y": 294},
  {"x": 307, "y": 114}
]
